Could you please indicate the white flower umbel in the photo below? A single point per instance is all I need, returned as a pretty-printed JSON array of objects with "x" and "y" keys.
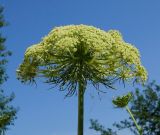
[{"x": 73, "y": 56}]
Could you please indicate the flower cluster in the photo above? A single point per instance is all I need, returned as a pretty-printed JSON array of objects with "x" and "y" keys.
[
  {"x": 68, "y": 51},
  {"x": 122, "y": 101}
]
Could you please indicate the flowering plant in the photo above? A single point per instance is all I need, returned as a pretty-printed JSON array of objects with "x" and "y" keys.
[
  {"x": 122, "y": 102},
  {"x": 72, "y": 56}
]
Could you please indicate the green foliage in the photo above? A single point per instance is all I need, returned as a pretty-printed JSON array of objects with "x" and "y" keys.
[
  {"x": 80, "y": 53},
  {"x": 7, "y": 112},
  {"x": 3, "y": 52},
  {"x": 101, "y": 129}
]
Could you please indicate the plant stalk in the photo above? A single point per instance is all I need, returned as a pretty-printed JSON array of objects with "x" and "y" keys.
[
  {"x": 138, "y": 127},
  {"x": 80, "y": 108}
]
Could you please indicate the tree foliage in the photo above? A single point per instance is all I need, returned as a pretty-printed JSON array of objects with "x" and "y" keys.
[
  {"x": 95, "y": 125},
  {"x": 7, "y": 112},
  {"x": 3, "y": 52}
]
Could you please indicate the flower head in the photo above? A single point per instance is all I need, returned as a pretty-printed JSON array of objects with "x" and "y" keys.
[
  {"x": 122, "y": 101},
  {"x": 73, "y": 53}
]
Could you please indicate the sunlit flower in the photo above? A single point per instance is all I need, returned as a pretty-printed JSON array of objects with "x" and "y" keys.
[{"x": 74, "y": 53}]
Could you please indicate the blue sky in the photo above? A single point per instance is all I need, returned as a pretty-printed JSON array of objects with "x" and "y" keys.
[{"x": 46, "y": 112}]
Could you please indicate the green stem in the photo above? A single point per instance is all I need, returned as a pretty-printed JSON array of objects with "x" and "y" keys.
[
  {"x": 80, "y": 108},
  {"x": 138, "y": 127}
]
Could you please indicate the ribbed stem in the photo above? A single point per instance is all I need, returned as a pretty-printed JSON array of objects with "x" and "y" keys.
[
  {"x": 81, "y": 91},
  {"x": 138, "y": 127},
  {"x": 80, "y": 108}
]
